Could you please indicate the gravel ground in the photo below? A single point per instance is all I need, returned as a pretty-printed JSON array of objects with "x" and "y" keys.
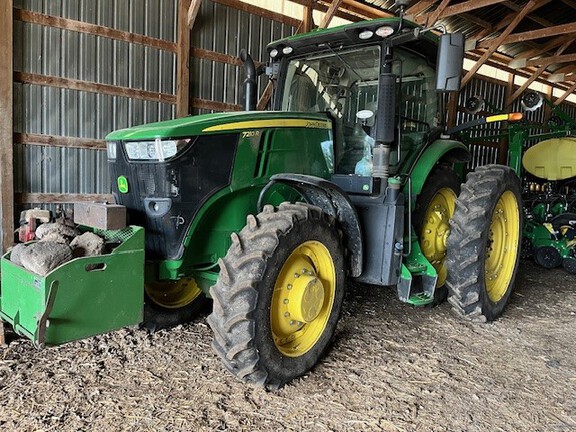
[{"x": 391, "y": 367}]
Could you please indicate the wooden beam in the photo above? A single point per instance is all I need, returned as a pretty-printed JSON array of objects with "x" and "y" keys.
[
  {"x": 543, "y": 22},
  {"x": 536, "y": 34},
  {"x": 535, "y": 75},
  {"x": 545, "y": 61},
  {"x": 193, "y": 12},
  {"x": 55, "y": 198},
  {"x": 524, "y": 86},
  {"x": 544, "y": 48},
  {"x": 59, "y": 141},
  {"x": 92, "y": 29},
  {"x": 565, "y": 95},
  {"x": 92, "y": 87},
  {"x": 307, "y": 20},
  {"x": 255, "y": 10},
  {"x": 6, "y": 125},
  {"x": 183, "y": 60},
  {"x": 419, "y": 7},
  {"x": 456, "y": 9},
  {"x": 215, "y": 106},
  {"x": 347, "y": 15},
  {"x": 367, "y": 8},
  {"x": 330, "y": 13},
  {"x": 266, "y": 95},
  {"x": 432, "y": 17},
  {"x": 531, "y": 5}
]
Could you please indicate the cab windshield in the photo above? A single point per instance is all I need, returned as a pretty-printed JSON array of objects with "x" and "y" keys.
[{"x": 345, "y": 83}]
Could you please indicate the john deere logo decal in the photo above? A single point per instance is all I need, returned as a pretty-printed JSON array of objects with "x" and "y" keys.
[{"x": 123, "y": 184}]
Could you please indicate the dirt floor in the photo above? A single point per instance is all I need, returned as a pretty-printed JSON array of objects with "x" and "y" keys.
[{"x": 391, "y": 367}]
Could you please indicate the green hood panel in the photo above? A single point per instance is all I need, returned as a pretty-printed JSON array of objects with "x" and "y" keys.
[{"x": 218, "y": 123}]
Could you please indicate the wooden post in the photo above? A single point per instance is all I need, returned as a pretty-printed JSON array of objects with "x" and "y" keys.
[
  {"x": 183, "y": 60},
  {"x": 2, "y": 335},
  {"x": 6, "y": 124}
]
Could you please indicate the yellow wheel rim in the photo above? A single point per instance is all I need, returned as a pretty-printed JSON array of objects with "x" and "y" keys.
[
  {"x": 502, "y": 247},
  {"x": 173, "y": 294},
  {"x": 436, "y": 229},
  {"x": 303, "y": 299}
]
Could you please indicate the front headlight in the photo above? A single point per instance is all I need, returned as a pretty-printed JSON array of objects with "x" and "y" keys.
[
  {"x": 159, "y": 150},
  {"x": 111, "y": 150}
]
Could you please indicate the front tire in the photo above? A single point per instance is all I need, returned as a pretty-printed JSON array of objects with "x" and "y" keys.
[
  {"x": 279, "y": 295},
  {"x": 169, "y": 303},
  {"x": 484, "y": 243},
  {"x": 435, "y": 206}
]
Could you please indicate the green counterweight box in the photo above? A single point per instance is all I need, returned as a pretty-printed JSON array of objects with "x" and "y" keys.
[{"x": 81, "y": 298}]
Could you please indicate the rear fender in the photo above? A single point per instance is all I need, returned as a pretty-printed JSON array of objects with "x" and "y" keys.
[
  {"x": 333, "y": 201},
  {"x": 442, "y": 150}
]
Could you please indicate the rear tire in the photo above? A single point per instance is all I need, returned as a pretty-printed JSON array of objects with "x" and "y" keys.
[
  {"x": 279, "y": 295},
  {"x": 484, "y": 243},
  {"x": 435, "y": 206}
]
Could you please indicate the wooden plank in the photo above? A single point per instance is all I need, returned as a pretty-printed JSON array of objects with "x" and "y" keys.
[
  {"x": 536, "y": 34},
  {"x": 535, "y": 75},
  {"x": 456, "y": 9},
  {"x": 2, "y": 334},
  {"x": 307, "y": 20},
  {"x": 419, "y": 7},
  {"x": 255, "y": 10},
  {"x": 347, "y": 15},
  {"x": 565, "y": 95},
  {"x": 93, "y": 29},
  {"x": 183, "y": 60},
  {"x": 545, "y": 61},
  {"x": 6, "y": 124},
  {"x": 92, "y": 87},
  {"x": 531, "y": 5},
  {"x": 216, "y": 56},
  {"x": 368, "y": 9},
  {"x": 215, "y": 106},
  {"x": 59, "y": 141},
  {"x": 266, "y": 95},
  {"x": 330, "y": 13},
  {"x": 54, "y": 198},
  {"x": 433, "y": 16},
  {"x": 193, "y": 12}
]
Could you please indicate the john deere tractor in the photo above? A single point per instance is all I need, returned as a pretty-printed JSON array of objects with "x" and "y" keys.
[{"x": 351, "y": 176}]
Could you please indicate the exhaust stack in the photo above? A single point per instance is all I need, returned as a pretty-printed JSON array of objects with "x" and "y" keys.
[{"x": 250, "y": 84}]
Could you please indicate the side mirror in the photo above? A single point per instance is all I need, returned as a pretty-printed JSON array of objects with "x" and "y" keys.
[{"x": 449, "y": 62}]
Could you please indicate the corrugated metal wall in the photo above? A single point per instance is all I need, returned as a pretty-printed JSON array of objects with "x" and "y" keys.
[
  {"x": 54, "y": 111},
  {"x": 227, "y": 30}
]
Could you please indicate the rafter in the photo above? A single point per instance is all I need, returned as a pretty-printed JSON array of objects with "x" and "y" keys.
[
  {"x": 520, "y": 62},
  {"x": 511, "y": 5},
  {"x": 545, "y": 61},
  {"x": 433, "y": 16},
  {"x": 456, "y": 9},
  {"x": 530, "y": 6},
  {"x": 535, "y": 75},
  {"x": 193, "y": 12},
  {"x": 419, "y": 7},
  {"x": 562, "y": 77},
  {"x": 542, "y": 49},
  {"x": 565, "y": 95},
  {"x": 536, "y": 34},
  {"x": 330, "y": 13}
]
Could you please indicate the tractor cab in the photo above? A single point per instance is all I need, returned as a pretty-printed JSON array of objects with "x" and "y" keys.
[{"x": 372, "y": 78}]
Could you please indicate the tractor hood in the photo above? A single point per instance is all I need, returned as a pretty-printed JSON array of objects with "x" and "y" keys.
[{"x": 206, "y": 124}]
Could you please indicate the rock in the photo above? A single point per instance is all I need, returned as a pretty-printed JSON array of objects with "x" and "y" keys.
[
  {"x": 16, "y": 253},
  {"x": 54, "y": 236},
  {"x": 88, "y": 244},
  {"x": 50, "y": 228},
  {"x": 43, "y": 257}
]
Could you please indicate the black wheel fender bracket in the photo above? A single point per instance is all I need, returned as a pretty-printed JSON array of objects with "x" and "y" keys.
[{"x": 334, "y": 202}]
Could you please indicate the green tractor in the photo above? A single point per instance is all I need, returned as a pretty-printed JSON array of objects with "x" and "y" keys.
[{"x": 352, "y": 176}]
